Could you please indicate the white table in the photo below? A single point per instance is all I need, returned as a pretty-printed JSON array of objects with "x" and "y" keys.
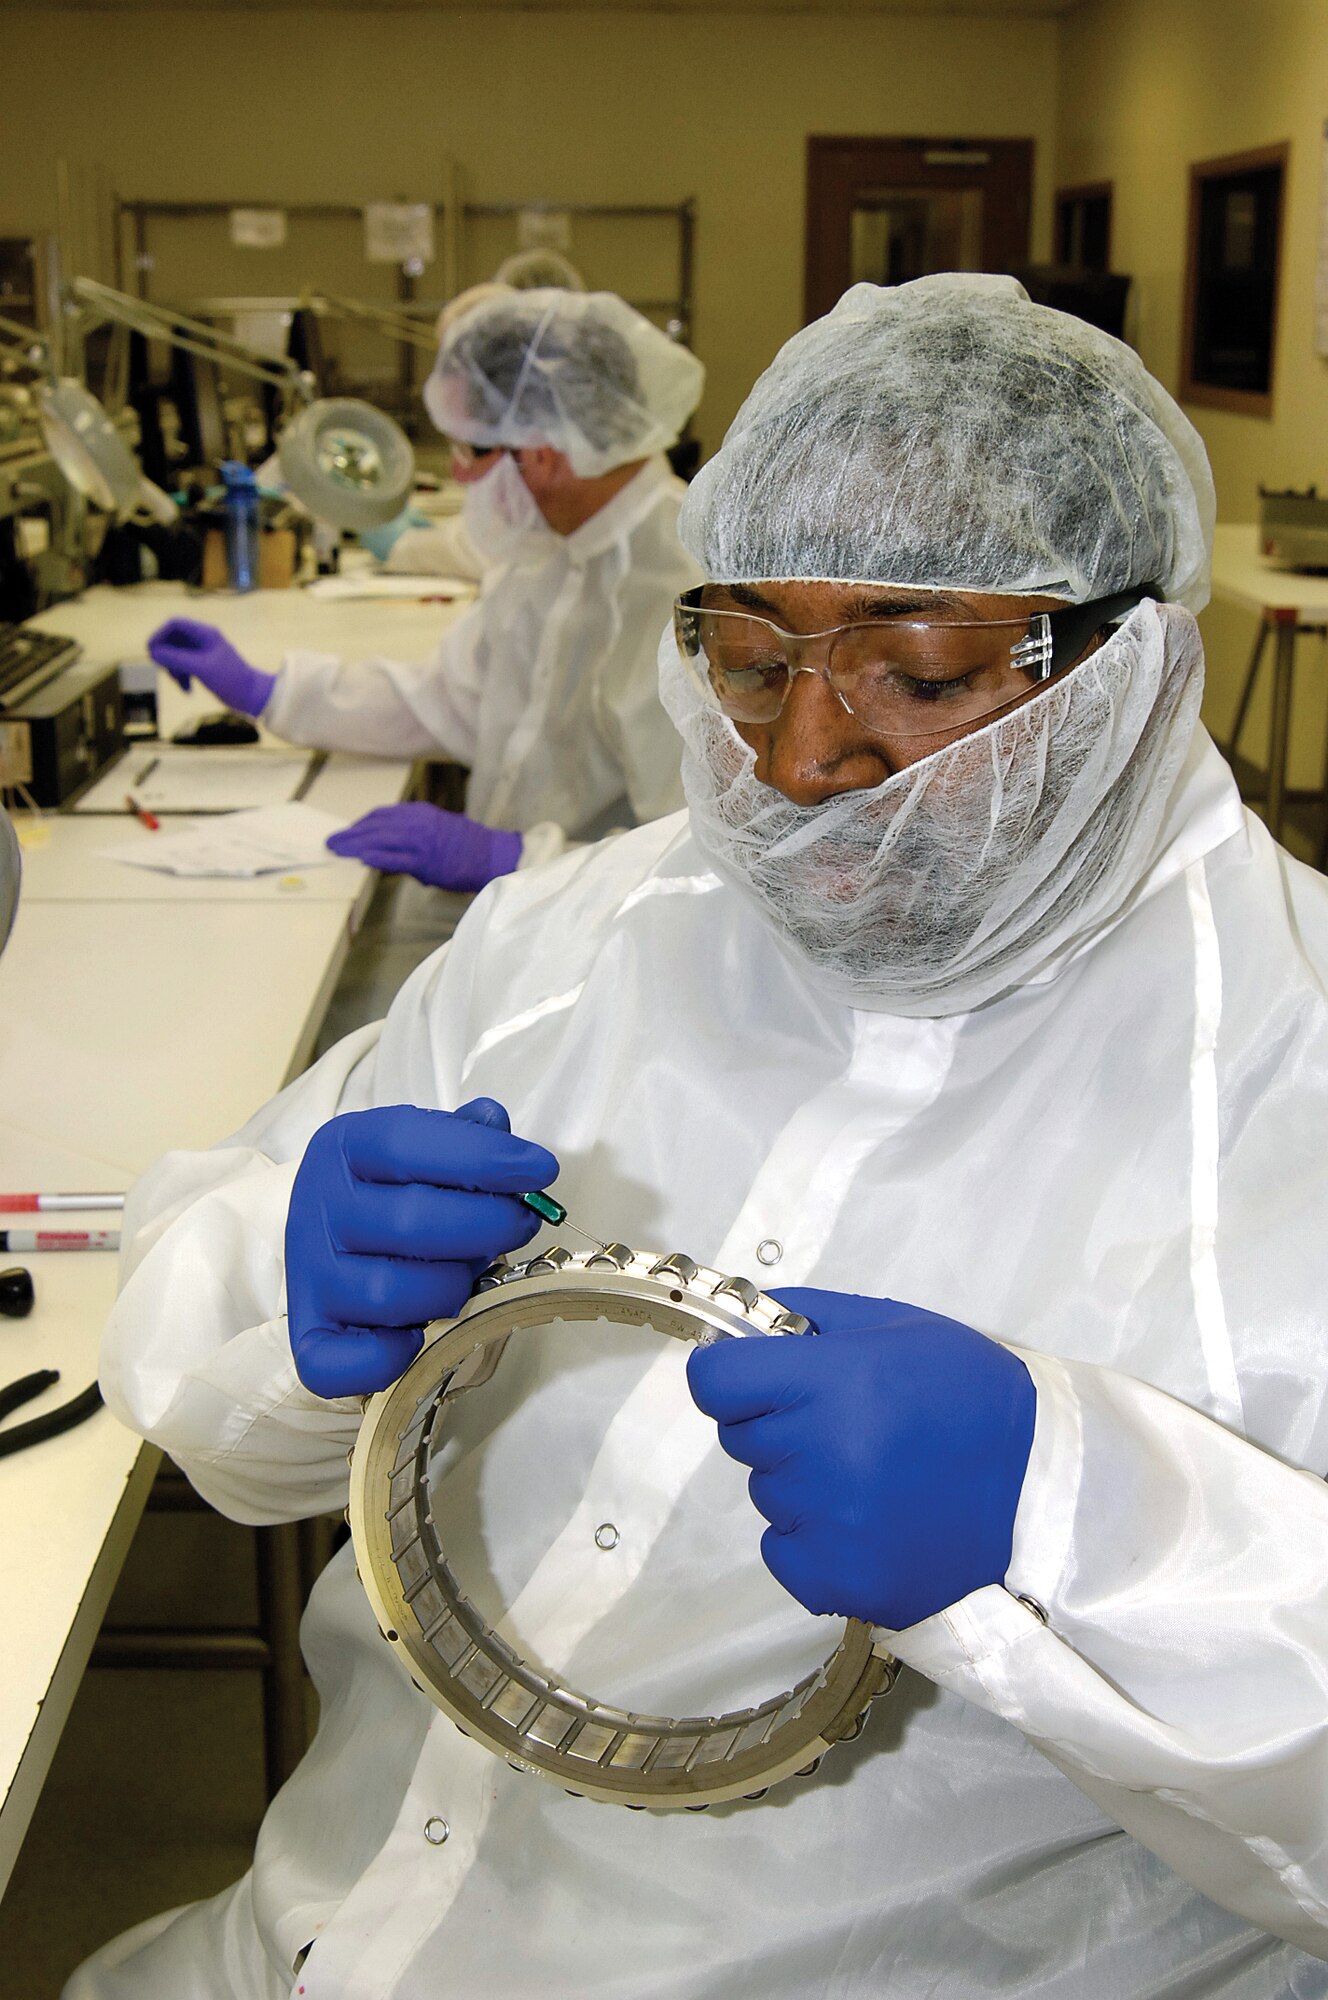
[
  {"x": 138, "y": 1012},
  {"x": 1287, "y": 604},
  {"x": 69, "y": 1506},
  {"x": 62, "y": 862},
  {"x": 113, "y": 624}
]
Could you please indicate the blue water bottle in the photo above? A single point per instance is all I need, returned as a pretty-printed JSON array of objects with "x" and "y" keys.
[{"x": 241, "y": 524}]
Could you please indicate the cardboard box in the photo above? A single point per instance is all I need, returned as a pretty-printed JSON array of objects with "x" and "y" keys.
[{"x": 278, "y": 558}]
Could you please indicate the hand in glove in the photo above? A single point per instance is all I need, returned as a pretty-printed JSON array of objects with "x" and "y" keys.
[
  {"x": 187, "y": 649},
  {"x": 393, "y": 1215},
  {"x": 444, "y": 849},
  {"x": 380, "y": 542},
  {"x": 888, "y": 1452}
]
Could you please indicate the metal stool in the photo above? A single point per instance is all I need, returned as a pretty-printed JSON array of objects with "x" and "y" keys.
[{"x": 1288, "y": 628}]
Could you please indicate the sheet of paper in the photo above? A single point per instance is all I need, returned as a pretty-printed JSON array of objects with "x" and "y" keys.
[
  {"x": 423, "y": 589},
  {"x": 397, "y": 231},
  {"x": 258, "y": 229},
  {"x": 184, "y": 778},
  {"x": 268, "y": 840}
]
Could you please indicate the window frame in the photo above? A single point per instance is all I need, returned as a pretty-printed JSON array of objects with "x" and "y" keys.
[
  {"x": 1230, "y": 166},
  {"x": 1067, "y": 197}
]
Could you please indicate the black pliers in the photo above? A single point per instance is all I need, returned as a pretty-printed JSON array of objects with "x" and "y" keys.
[{"x": 36, "y": 1429}]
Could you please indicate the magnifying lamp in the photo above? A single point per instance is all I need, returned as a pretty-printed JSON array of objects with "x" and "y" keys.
[
  {"x": 344, "y": 461},
  {"x": 93, "y": 456},
  {"x": 348, "y": 463},
  {"x": 79, "y": 435}
]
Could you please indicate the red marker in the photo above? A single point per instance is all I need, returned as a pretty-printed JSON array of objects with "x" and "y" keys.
[
  {"x": 59, "y": 1239},
  {"x": 148, "y": 819}
]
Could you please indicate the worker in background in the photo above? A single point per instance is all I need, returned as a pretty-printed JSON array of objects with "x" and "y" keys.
[
  {"x": 560, "y": 406},
  {"x": 419, "y": 544},
  {"x": 967, "y": 1007}
]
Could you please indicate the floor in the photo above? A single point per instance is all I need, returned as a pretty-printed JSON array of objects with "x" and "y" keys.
[
  {"x": 156, "y": 1790},
  {"x": 404, "y": 923}
]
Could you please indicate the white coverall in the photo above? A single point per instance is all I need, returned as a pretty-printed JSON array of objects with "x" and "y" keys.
[
  {"x": 547, "y": 688},
  {"x": 1119, "y": 1169}
]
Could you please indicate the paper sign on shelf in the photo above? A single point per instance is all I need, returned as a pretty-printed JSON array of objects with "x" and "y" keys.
[
  {"x": 258, "y": 228},
  {"x": 544, "y": 229},
  {"x": 396, "y": 231}
]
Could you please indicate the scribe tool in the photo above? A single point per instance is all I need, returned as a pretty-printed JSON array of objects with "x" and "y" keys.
[{"x": 553, "y": 1211}]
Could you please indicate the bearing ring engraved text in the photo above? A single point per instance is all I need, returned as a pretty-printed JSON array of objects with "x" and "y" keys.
[{"x": 516, "y": 1710}]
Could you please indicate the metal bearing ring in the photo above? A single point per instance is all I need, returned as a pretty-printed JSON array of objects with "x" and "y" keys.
[{"x": 514, "y": 1709}]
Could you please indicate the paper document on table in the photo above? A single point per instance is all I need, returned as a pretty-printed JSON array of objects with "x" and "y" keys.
[
  {"x": 236, "y": 844},
  {"x": 198, "y": 778},
  {"x": 421, "y": 589}
]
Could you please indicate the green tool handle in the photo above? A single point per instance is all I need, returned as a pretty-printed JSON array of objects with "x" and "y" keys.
[{"x": 545, "y": 1205}]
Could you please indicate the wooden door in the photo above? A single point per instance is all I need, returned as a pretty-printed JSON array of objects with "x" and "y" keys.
[{"x": 887, "y": 210}]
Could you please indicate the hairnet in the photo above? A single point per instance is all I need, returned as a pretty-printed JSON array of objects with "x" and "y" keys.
[
  {"x": 529, "y": 270},
  {"x": 473, "y": 295},
  {"x": 973, "y": 870},
  {"x": 580, "y": 371},
  {"x": 949, "y": 432}
]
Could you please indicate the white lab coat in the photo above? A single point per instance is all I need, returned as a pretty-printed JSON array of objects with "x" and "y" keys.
[
  {"x": 1120, "y": 1169},
  {"x": 547, "y": 688}
]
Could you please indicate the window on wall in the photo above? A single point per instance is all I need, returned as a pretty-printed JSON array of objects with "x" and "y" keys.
[
  {"x": 1232, "y": 276},
  {"x": 1083, "y": 226}
]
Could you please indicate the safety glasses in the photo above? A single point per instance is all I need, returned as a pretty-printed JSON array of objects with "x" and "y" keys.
[
  {"x": 466, "y": 455},
  {"x": 900, "y": 677}
]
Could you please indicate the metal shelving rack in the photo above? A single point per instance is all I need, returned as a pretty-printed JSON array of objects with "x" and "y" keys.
[
  {"x": 679, "y": 309},
  {"x": 134, "y": 256}
]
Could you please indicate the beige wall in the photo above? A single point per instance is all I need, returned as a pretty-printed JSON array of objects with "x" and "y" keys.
[
  {"x": 1147, "y": 88},
  {"x": 344, "y": 106}
]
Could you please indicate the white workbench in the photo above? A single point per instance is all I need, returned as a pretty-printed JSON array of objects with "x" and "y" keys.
[
  {"x": 264, "y": 624},
  {"x": 139, "y": 1012},
  {"x": 113, "y": 625},
  {"x": 62, "y": 861},
  {"x": 1286, "y": 603}
]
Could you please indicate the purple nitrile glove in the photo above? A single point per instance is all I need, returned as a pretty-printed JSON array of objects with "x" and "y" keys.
[
  {"x": 445, "y": 849},
  {"x": 393, "y": 1215},
  {"x": 888, "y": 1450},
  {"x": 187, "y": 649}
]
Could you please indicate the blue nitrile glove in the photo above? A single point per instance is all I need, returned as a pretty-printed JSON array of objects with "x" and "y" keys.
[
  {"x": 888, "y": 1452},
  {"x": 187, "y": 649},
  {"x": 393, "y": 1215},
  {"x": 380, "y": 542},
  {"x": 442, "y": 848}
]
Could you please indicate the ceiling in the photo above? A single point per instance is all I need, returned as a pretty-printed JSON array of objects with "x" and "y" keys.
[{"x": 970, "y": 7}]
